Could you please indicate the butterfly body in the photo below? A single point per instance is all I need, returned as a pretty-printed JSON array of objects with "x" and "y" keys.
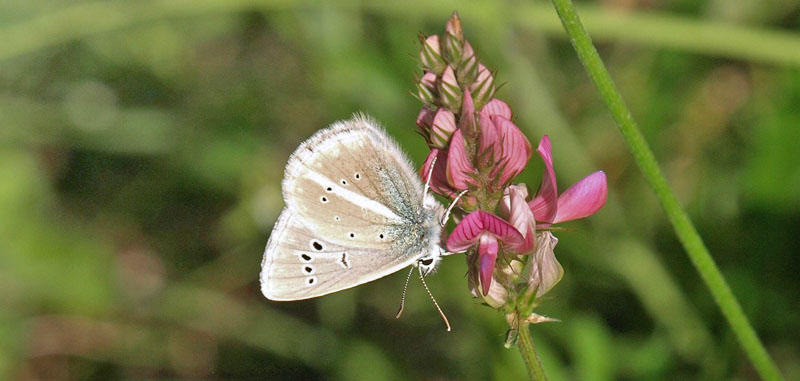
[{"x": 355, "y": 212}]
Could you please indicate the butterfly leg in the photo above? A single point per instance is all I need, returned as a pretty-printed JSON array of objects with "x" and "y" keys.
[{"x": 446, "y": 218}]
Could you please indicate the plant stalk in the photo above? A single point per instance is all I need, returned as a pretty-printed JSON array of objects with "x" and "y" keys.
[
  {"x": 687, "y": 234},
  {"x": 528, "y": 351}
]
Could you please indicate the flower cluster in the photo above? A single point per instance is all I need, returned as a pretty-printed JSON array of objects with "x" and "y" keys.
[{"x": 476, "y": 147}]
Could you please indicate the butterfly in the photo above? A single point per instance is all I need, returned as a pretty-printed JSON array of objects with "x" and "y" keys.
[{"x": 355, "y": 212}]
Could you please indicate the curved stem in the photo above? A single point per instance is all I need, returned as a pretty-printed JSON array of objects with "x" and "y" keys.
[
  {"x": 692, "y": 243},
  {"x": 528, "y": 351}
]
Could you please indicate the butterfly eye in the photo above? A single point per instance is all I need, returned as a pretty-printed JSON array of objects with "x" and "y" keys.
[{"x": 426, "y": 262}]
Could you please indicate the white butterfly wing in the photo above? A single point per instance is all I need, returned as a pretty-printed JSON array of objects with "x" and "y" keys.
[
  {"x": 350, "y": 190},
  {"x": 299, "y": 264}
]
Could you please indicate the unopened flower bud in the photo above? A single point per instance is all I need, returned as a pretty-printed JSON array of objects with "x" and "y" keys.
[
  {"x": 467, "y": 70},
  {"x": 483, "y": 88},
  {"x": 431, "y": 55},
  {"x": 426, "y": 89},
  {"x": 449, "y": 92},
  {"x": 453, "y": 40},
  {"x": 442, "y": 128}
]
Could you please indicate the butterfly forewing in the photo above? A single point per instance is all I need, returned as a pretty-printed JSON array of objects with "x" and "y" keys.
[{"x": 352, "y": 208}]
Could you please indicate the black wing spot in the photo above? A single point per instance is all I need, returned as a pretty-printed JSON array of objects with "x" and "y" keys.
[
  {"x": 317, "y": 246},
  {"x": 329, "y": 189},
  {"x": 352, "y": 235},
  {"x": 323, "y": 199},
  {"x": 312, "y": 280},
  {"x": 308, "y": 269},
  {"x": 344, "y": 182},
  {"x": 358, "y": 176},
  {"x": 344, "y": 262},
  {"x": 380, "y": 236},
  {"x": 305, "y": 257}
]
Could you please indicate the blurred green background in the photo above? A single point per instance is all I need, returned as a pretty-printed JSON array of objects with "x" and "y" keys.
[{"x": 142, "y": 145}]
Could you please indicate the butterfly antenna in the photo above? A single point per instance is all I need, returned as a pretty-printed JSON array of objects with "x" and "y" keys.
[
  {"x": 450, "y": 208},
  {"x": 403, "y": 298},
  {"x": 422, "y": 278},
  {"x": 428, "y": 181}
]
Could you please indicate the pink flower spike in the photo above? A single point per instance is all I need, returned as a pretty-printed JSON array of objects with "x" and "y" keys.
[
  {"x": 545, "y": 204},
  {"x": 583, "y": 198},
  {"x": 496, "y": 107},
  {"x": 516, "y": 149},
  {"x": 487, "y": 254},
  {"x": 459, "y": 167},
  {"x": 479, "y": 222}
]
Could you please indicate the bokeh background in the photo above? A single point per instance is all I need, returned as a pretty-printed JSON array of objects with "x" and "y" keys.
[{"x": 142, "y": 145}]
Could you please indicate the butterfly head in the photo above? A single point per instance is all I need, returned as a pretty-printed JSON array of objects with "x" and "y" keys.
[{"x": 431, "y": 216}]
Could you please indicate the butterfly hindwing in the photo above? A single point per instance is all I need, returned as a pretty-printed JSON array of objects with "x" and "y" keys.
[{"x": 352, "y": 184}]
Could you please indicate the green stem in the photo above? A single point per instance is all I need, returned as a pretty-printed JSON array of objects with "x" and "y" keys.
[
  {"x": 528, "y": 351},
  {"x": 695, "y": 248}
]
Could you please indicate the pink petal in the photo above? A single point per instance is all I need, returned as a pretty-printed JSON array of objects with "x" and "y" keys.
[
  {"x": 487, "y": 255},
  {"x": 516, "y": 149},
  {"x": 583, "y": 198},
  {"x": 471, "y": 227},
  {"x": 496, "y": 107},
  {"x": 467, "y": 122},
  {"x": 544, "y": 271},
  {"x": 439, "y": 178},
  {"x": 519, "y": 214},
  {"x": 489, "y": 148},
  {"x": 545, "y": 204},
  {"x": 459, "y": 166}
]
